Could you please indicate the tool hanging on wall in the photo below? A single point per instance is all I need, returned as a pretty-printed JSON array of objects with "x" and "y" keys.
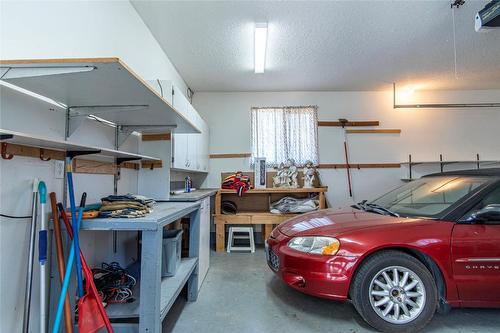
[
  {"x": 343, "y": 123},
  {"x": 42, "y": 257},
  {"x": 31, "y": 256},
  {"x": 60, "y": 260}
]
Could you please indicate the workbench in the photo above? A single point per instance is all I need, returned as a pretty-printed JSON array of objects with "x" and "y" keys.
[
  {"x": 155, "y": 295},
  {"x": 253, "y": 208}
]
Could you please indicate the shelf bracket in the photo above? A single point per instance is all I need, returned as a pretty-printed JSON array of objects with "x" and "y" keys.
[
  {"x": 120, "y": 160},
  {"x": 6, "y": 136},
  {"x": 74, "y": 153},
  {"x": 124, "y": 131},
  {"x": 74, "y": 122},
  {"x": 33, "y": 71}
]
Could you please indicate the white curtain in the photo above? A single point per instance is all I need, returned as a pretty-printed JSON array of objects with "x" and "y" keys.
[{"x": 281, "y": 133}]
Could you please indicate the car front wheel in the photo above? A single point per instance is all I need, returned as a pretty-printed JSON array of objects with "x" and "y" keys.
[{"x": 394, "y": 292}]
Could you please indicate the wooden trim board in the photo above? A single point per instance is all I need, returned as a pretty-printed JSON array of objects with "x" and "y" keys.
[
  {"x": 157, "y": 137},
  {"x": 57, "y": 61},
  {"x": 236, "y": 155},
  {"x": 359, "y": 165},
  {"x": 349, "y": 123},
  {"x": 371, "y": 131}
]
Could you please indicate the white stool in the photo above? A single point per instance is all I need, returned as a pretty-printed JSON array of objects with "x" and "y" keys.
[{"x": 232, "y": 236}]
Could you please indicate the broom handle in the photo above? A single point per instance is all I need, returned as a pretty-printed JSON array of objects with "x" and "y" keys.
[
  {"x": 86, "y": 267},
  {"x": 60, "y": 260},
  {"x": 67, "y": 275}
]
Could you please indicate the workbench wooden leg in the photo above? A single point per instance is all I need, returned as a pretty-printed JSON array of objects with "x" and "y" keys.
[
  {"x": 322, "y": 201},
  {"x": 150, "y": 287},
  {"x": 220, "y": 239},
  {"x": 268, "y": 228},
  {"x": 194, "y": 250}
]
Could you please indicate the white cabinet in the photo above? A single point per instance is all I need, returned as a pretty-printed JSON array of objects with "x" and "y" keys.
[
  {"x": 190, "y": 151},
  {"x": 163, "y": 88},
  {"x": 204, "y": 248}
]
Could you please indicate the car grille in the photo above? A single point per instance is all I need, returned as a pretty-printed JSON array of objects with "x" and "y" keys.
[{"x": 273, "y": 260}]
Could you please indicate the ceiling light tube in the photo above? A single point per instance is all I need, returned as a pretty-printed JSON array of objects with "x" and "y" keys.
[{"x": 260, "y": 46}]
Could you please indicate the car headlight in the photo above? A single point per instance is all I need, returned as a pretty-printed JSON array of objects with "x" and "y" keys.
[{"x": 327, "y": 246}]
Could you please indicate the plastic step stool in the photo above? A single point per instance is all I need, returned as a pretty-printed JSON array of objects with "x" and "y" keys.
[{"x": 232, "y": 236}]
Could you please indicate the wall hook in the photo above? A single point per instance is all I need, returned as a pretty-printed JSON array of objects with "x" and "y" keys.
[
  {"x": 42, "y": 156},
  {"x": 6, "y": 156}
]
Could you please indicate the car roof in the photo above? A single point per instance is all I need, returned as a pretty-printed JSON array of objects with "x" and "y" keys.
[{"x": 488, "y": 172}]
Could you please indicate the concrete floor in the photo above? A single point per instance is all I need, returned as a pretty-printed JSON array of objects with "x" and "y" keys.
[{"x": 241, "y": 294}]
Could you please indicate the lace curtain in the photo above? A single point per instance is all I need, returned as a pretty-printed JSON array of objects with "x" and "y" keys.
[{"x": 281, "y": 133}]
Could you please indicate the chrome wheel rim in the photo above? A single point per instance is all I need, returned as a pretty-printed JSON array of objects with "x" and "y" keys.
[{"x": 397, "y": 294}]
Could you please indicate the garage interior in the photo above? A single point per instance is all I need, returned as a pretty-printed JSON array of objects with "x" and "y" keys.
[{"x": 250, "y": 166}]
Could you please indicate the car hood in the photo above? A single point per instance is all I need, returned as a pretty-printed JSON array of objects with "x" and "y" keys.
[{"x": 334, "y": 221}]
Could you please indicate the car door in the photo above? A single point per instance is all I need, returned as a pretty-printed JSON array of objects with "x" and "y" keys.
[{"x": 476, "y": 255}]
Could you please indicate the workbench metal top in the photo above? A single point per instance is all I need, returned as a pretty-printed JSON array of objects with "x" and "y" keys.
[
  {"x": 163, "y": 214},
  {"x": 192, "y": 196}
]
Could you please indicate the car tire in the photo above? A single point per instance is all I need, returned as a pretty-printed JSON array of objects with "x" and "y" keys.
[{"x": 371, "y": 288}]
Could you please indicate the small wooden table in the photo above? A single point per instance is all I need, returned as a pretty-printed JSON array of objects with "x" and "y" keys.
[{"x": 253, "y": 208}]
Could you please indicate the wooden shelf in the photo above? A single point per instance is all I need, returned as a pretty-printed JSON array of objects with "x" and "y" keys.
[
  {"x": 104, "y": 87},
  {"x": 104, "y": 154},
  {"x": 451, "y": 162},
  {"x": 278, "y": 190}
]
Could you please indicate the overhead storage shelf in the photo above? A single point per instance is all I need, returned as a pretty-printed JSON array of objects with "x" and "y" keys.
[
  {"x": 68, "y": 146},
  {"x": 103, "y": 87}
]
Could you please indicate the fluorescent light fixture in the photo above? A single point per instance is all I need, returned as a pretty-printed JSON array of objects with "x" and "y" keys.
[
  {"x": 32, "y": 94},
  {"x": 260, "y": 46}
]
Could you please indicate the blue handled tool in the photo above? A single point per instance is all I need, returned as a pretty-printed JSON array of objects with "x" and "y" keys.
[
  {"x": 76, "y": 243},
  {"x": 67, "y": 275},
  {"x": 42, "y": 257}
]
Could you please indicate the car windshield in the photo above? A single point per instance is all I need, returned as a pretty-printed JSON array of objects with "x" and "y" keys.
[{"x": 428, "y": 196}]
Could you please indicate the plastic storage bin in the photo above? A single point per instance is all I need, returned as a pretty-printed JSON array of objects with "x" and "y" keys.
[{"x": 171, "y": 256}]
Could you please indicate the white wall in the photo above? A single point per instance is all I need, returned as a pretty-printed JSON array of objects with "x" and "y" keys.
[
  {"x": 426, "y": 133},
  {"x": 56, "y": 29}
]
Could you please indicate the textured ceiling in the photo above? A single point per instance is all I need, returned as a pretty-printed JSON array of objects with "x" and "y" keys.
[{"x": 328, "y": 45}]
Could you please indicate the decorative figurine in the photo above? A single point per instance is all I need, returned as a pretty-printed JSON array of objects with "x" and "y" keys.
[
  {"x": 286, "y": 175},
  {"x": 292, "y": 174},
  {"x": 309, "y": 174},
  {"x": 278, "y": 179}
]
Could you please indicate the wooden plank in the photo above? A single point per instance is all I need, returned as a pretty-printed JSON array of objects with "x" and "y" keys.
[
  {"x": 28, "y": 151},
  {"x": 128, "y": 165},
  {"x": 93, "y": 167},
  {"x": 156, "y": 137},
  {"x": 372, "y": 131},
  {"x": 349, "y": 123},
  {"x": 266, "y": 232},
  {"x": 151, "y": 164},
  {"x": 359, "y": 165},
  {"x": 220, "y": 233},
  {"x": 57, "y": 61},
  {"x": 239, "y": 155},
  {"x": 279, "y": 190}
]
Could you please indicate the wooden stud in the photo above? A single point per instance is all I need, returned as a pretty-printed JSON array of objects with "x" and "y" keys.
[
  {"x": 93, "y": 167},
  {"x": 322, "y": 200},
  {"x": 151, "y": 164},
  {"x": 359, "y": 165},
  {"x": 372, "y": 131},
  {"x": 266, "y": 231},
  {"x": 28, "y": 151},
  {"x": 156, "y": 137},
  {"x": 220, "y": 231},
  {"x": 240, "y": 155},
  {"x": 349, "y": 123}
]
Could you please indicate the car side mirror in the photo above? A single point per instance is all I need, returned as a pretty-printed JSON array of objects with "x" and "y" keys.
[{"x": 487, "y": 215}]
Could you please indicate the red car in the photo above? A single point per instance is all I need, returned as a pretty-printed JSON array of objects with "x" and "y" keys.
[{"x": 429, "y": 245}]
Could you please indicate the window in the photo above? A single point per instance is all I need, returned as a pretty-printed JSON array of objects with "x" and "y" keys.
[
  {"x": 281, "y": 133},
  {"x": 429, "y": 196}
]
